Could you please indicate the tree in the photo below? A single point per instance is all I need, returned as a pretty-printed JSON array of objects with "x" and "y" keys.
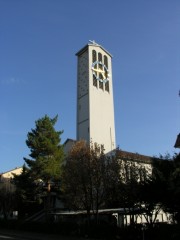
[
  {"x": 28, "y": 193},
  {"x": 84, "y": 178},
  {"x": 150, "y": 196},
  {"x": 113, "y": 183},
  {"x": 132, "y": 174},
  {"x": 44, "y": 165},
  {"x": 7, "y": 198},
  {"x": 166, "y": 173},
  {"x": 174, "y": 187},
  {"x": 162, "y": 190},
  {"x": 46, "y": 151}
]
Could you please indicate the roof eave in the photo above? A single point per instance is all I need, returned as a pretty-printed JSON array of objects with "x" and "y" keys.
[{"x": 94, "y": 45}]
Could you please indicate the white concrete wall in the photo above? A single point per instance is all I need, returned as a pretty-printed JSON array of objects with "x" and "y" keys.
[
  {"x": 102, "y": 127},
  {"x": 95, "y": 107}
]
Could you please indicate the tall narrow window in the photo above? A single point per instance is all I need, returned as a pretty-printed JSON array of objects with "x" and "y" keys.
[
  {"x": 105, "y": 61},
  {"x": 107, "y": 86},
  {"x": 99, "y": 57},
  {"x": 101, "y": 85},
  {"x": 94, "y": 81},
  {"x": 101, "y": 68},
  {"x": 106, "y": 64},
  {"x": 94, "y": 59},
  {"x": 94, "y": 55}
]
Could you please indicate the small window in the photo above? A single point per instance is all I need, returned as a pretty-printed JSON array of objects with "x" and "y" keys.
[
  {"x": 94, "y": 81},
  {"x": 99, "y": 57},
  {"x": 101, "y": 85},
  {"x": 105, "y": 61},
  {"x": 107, "y": 86},
  {"x": 94, "y": 56},
  {"x": 101, "y": 76}
]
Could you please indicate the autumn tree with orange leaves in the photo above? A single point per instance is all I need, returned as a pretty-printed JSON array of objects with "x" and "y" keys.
[{"x": 85, "y": 177}]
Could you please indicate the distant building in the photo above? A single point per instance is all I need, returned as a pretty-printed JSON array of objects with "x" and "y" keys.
[
  {"x": 7, "y": 187},
  {"x": 10, "y": 174},
  {"x": 68, "y": 145},
  {"x": 6, "y": 178}
]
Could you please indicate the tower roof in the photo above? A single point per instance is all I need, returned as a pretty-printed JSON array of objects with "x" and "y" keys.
[{"x": 94, "y": 44}]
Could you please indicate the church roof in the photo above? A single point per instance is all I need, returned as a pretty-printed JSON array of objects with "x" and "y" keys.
[
  {"x": 123, "y": 155},
  {"x": 69, "y": 140},
  {"x": 92, "y": 43},
  {"x": 136, "y": 157}
]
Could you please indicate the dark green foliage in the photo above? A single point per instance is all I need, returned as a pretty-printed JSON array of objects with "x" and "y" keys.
[
  {"x": 28, "y": 193},
  {"x": 7, "y": 198},
  {"x": 173, "y": 203},
  {"x": 166, "y": 184},
  {"x": 46, "y": 151},
  {"x": 42, "y": 172}
]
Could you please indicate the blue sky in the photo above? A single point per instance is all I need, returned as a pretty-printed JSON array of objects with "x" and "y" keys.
[{"x": 38, "y": 69}]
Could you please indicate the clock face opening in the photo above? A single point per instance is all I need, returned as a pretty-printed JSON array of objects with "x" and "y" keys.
[{"x": 100, "y": 71}]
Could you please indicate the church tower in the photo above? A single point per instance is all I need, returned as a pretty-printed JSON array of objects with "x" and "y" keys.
[{"x": 95, "y": 106}]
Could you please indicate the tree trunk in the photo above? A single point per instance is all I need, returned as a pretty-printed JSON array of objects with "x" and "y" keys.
[
  {"x": 48, "y": 200},
  {"x": 48, "y": 186}
]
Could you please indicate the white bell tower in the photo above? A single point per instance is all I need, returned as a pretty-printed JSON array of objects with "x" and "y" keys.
[{"x": 95, "y": 106}]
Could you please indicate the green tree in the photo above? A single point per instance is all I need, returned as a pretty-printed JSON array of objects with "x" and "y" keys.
[
  {"x": 174, "y": 187},
  {"x": 162, "y": 190},
  {"x": 166, "y": 173},
  {"x": 28, "y": 193},
  {"x": 46, "y": 151},
  {"x": 150, "y": 196}
]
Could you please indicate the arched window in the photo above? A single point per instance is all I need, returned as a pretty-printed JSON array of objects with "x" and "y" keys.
[
  {"x": 94, "y": 81},
  {"x": 100, "y": 60},
  {"x": 94, "y": 59},
  {"x": 107, "y": 86},
  {"x": 105, "y": 61},
  {"x": 106, "y": 64},
  {"x": 94, "y": 55},
  {"x": 101, "y": 85},
  {"x": 99, "y": 57}
]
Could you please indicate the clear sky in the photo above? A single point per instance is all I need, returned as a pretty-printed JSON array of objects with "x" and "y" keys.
[{"x": 38, "y": 69}]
